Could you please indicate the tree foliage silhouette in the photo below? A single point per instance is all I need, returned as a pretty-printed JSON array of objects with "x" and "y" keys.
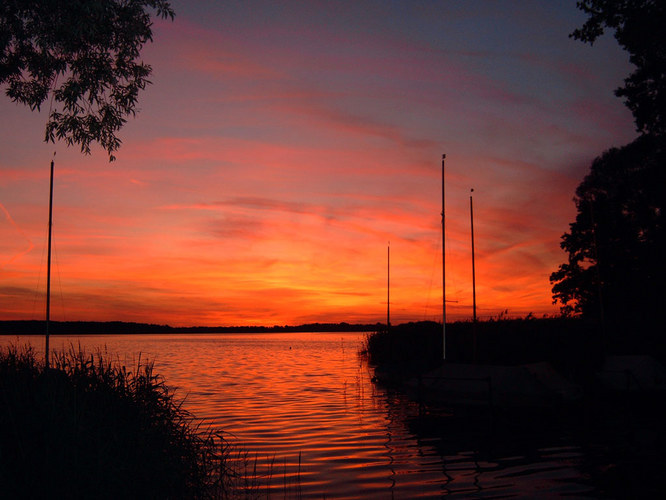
[
  {"x": 639, "y": 29},
  {"x": 617, "y": 244},
  {"x": 83, "y": 53}
]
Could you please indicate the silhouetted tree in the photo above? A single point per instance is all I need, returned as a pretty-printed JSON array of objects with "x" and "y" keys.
[
  {"x": 639, "y": 29},
  {"x": 84, "y": 52},
  {"x": 617, "y": 245}
]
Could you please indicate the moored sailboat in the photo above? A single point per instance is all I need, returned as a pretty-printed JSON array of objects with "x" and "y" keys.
[{"x": 473, "y": 384}]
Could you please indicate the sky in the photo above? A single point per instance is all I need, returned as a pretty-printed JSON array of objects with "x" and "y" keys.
[{"x": 283, "y": 145}]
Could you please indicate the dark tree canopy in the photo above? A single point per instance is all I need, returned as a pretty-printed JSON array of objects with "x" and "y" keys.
[
  {"x": 82, "y": 54},
  {"x": 639, "y": 27},
  {"x": 617, "y": 245}
]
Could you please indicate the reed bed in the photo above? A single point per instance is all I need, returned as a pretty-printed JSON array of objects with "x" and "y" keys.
[
  {"x": 572, "y": 345},
  {"x": 91, "y": 428}
]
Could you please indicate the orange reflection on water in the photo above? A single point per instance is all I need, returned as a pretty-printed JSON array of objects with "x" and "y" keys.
[
  {"x": 302, "y": 404},
  {"x": 313, "y": 424}
]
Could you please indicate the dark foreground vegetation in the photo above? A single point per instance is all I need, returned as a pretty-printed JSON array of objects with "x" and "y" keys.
[
  {"x": 575, "y": 347},
  {"x": 89, "y": 428},
  {"x": 622, "y": 433}
]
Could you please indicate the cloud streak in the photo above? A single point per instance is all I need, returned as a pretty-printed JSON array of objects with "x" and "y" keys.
[{"x": 283, "y": 145}]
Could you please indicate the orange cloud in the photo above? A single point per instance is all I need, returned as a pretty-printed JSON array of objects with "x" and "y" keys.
[{"x": 270, "y": 166}]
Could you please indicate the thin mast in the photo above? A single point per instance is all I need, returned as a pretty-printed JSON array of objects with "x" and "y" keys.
[
  {"x": 48, "y": 271},
  {"x": 471, "y": 217},
  {"x": 443, "y": 268},
  {"x": 388, "y": 287}
]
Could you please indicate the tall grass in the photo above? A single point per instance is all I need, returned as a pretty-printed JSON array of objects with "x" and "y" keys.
[
  {"x": 573, "y": 345},
  {"x": 405, "y": 350},
  {"x": 91, "y": 428}
]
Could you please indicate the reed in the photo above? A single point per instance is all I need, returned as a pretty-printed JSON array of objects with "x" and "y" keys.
[
  {"x": 405, "y": 350},
  {"x": 572, "y": 345},
  {"x": 248, "y": 477},
  {"x": 89, "y": 427}
]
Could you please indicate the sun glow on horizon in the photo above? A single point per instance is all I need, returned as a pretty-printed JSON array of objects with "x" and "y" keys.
[{"x": 268, "y": 169}]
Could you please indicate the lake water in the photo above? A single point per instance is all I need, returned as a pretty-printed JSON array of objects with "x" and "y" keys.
[{"x": 304, "y": 405}]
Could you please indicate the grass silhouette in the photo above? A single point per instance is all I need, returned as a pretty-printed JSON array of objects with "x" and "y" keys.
[{"x": 90, "y": 428}]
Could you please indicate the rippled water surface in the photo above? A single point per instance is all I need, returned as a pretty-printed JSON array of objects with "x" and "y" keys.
[{"x": 304, "y": 405}]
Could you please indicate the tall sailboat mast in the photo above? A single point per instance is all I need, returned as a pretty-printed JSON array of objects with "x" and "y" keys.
[
  {"x": 471, "y": 217},
  {"x": 388, "y": 286},
  {"x": 48, "y": 271},
  {"x": 443, "y": 267}
]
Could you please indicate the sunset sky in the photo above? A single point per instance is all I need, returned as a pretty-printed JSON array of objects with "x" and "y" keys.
[{"x": 282, "y": 145}]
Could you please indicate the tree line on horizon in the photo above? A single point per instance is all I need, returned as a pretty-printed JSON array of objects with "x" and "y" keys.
[
  {"x": 36, "y": 327},
  {"x": 614, "y": 271}
]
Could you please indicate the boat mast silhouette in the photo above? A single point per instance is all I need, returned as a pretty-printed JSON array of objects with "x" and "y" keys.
[
  {"x": 388, "y": 287},
  {"x": 443, "y": 266},
  {"x": 471, "y": 218},
  {"x": 48, "y": 270}
]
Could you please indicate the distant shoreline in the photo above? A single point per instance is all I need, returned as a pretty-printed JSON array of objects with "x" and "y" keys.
[{"x": 38, "y": 327}]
